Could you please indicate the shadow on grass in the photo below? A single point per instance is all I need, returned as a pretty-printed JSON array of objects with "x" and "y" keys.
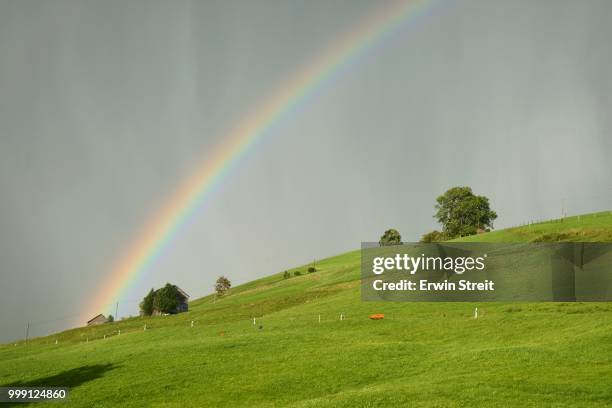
[{"x": 69, "y": 378}]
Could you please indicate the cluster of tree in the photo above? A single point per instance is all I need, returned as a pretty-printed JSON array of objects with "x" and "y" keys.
[
  {"x": 163, "y": 300},
  {"x": 459, "y": 211}
]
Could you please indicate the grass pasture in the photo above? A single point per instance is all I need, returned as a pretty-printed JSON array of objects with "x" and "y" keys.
[{"x": 421, "y": 354}]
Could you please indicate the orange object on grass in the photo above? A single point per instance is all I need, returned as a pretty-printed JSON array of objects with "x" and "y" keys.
[{"x": 377, "y": 316}]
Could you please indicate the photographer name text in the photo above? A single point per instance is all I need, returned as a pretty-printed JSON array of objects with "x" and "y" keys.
[{"x": 414, "y": 264}]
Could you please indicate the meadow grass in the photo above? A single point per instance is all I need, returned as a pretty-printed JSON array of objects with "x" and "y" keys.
[{"x": 421, "y": 354}]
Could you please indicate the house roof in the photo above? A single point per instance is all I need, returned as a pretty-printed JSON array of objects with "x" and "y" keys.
[
  {"x": 95, "y": 317},
  {"x": 182, "y": 292}
]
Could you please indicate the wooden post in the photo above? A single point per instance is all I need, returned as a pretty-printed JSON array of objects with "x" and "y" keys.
[
  {"x": 319, "y": 319},
  {"x": 192, "y": 324},
  {"x": 476, "y": 313}
]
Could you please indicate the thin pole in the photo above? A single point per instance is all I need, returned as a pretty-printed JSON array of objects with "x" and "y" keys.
[
  {"x": 116, "y": 311},
  {"x": 27, "y": 332}
]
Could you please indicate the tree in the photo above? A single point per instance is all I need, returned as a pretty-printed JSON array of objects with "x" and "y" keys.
[
  {"x": 433, "y": 236},
  {"x": 222, "y": 285},
  {"x": 167, "y": 299},
  {"x": 286, "y": 275},
  {"x": 462, "y": 213},
  {"x": 110, "y": 319},
  {"x": 390, "y": 237},
  {"x": 164, "y": 300},
  {"x": 147, "y": 304}
]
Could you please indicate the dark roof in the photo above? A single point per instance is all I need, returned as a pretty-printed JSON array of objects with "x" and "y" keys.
[
  {"x": 182, "y": 292},
  {"x": 95, "y": 317}
]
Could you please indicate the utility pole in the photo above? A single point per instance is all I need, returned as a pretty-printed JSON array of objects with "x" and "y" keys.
[
  {"x": 562, "y": 207},
  {"x": 563, "y": 211},
  {"x": 116, "y": 311}
]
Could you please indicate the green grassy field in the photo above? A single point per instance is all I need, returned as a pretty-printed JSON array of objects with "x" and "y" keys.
[{"x": 421, "y": 354}]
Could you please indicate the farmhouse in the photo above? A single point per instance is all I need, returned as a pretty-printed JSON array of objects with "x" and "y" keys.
[
  {"x": 99, "y": 319},
  {"x": 182, "y": 298}
]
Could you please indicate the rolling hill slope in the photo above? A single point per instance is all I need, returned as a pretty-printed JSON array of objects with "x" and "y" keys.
[{"x": 422, "y": 354}]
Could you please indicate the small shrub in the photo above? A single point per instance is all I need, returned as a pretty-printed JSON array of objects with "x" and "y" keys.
[
  {"x": 390, "y": 237},
  {"x": 312, "y": 269},
  {"x": 433, "y": 236},
  {"x": 286, "y": 275},
  {"x": 297, "y": 273}
]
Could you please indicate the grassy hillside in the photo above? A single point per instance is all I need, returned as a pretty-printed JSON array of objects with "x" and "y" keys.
[
  {"x": 422, "y": 354},
  {"x": 595, "y": 227}
]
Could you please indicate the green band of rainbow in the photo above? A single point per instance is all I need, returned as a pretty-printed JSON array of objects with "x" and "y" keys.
[{"x": 241, "y": 138}]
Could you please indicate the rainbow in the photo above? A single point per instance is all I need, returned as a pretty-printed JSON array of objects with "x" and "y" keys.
[{"x": 242, "y": 137}]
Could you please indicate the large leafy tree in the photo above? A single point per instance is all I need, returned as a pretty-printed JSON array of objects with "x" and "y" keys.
[
  {"x": 462, "y": 213},
  {"x": 390, "y": 237},
  {"x": 164, "y": 300},
  {"x": 167, "y": 299}
]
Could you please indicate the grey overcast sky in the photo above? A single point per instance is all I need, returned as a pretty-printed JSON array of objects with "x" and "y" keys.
[{"x": 106, "y": 105}]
